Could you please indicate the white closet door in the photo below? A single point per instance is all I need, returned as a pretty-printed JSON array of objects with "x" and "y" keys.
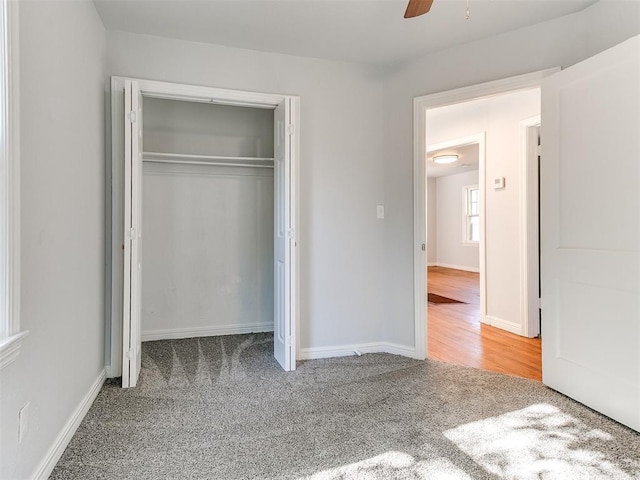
[
  {"x": 132, "y": 314},
  {"x": 284, "y": 317},
  {"x": 590, "y": 226}
]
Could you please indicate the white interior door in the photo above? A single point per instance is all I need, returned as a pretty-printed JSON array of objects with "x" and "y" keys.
[
  {"x": 590, "y": 232},
  {"x": 284, "y": 231},
  {"x": 132, "y": 305}
]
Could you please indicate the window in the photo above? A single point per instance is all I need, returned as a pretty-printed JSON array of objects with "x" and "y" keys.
[
  {"x": 471, "y": 214},
  {"x": 10, "y": 334}
]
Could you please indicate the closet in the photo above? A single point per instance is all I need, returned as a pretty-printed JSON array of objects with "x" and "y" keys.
[{"x": 207, "y": 207}]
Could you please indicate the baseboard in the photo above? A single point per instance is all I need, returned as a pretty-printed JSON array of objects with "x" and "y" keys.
[
  {"x": 401, "y": 350},
  {"x": 432, "y": 264},
  {"x": 64, "y": 437},
  {"x": 315, "y": 353},
  {"x": 457, "y": 267},
  {"x": 213, "y": 331},
  {"x": 504, "y": 324}
]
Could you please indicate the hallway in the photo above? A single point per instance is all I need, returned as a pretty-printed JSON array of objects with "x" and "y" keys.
[{"x": 455, "y": 334}]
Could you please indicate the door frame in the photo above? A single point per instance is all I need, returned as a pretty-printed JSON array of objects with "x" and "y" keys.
[
  {"x": 115, "y": 188},
  {"x": 420, "y": 106},
  {"x": 530, "y": 227}
]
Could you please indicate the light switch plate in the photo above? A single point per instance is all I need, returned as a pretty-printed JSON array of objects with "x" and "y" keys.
[{"x": 380, "y": 211}]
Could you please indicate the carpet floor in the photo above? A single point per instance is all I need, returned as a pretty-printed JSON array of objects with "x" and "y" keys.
[{"x": 221, "y": 408}]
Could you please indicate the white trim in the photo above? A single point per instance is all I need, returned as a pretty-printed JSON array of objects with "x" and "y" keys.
[
  {"x": 419, "y": 229},
  {"x": 315, "y": 353},
  {"x": 396, "y": 349},
  {"x": 529, "y": 253},
  {"x": 504, "y": 324},
  {"x": 194, "y": 93},
  {"x": 295, "y": 216},
  {"x": 10, "y": 348},
  {"x": 213, "y": 331},
  {"x": 116, "y": 226},
  {"x": 420, "y": 106},
  {"x": 456, "y": 267},
  {"x": 10, "y": 335},
  {"x": 64, "y": 437}
]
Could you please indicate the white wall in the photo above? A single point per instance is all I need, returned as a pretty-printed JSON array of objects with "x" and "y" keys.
[
  {"x": 451, "y": 251},
  {"x": 62, "y": 70},
  {"x": 208, "y": 230},
  {"x": 432, "y": 222},
  {"x": 559, "y": 42},
  {"x": 341, "y": 178},
  {"x": 173, "y": 126},
  {"x": 207, "y": 251}
]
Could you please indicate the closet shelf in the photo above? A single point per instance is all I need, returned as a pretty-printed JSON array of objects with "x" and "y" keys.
[{"x": 217, "y": 160}]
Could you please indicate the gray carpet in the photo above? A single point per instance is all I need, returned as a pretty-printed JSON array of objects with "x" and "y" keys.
[{"x": 221, "y": 408}]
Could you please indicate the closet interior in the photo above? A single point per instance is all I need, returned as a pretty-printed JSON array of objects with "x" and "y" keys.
[{"x": 208, "y": 219}]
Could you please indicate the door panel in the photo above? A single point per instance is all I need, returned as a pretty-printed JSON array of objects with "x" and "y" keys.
[
  {"x": 126, "y": 241},
  {"x": 283, "y": 318},
  {"x": 136, "y": 253},
  {"x": 132, "y": 308},
  {"x": 590, "y": 232}
]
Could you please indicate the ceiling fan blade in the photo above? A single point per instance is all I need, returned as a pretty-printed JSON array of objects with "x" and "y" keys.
[{"x": 417, "y": 7}]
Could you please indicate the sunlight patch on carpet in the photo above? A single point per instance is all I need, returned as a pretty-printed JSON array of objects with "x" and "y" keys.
[
  {"x": 393, "y": 465},
  {"x": 539, "y": 441}
]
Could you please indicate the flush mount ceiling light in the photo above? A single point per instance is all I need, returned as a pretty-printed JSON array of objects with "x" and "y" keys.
[{"x": 445, "y": 159}]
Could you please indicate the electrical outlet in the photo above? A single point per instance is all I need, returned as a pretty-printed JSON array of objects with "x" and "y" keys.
[
  {"x": 23, "y": 421},
  {"x": 380, "y": 211}
]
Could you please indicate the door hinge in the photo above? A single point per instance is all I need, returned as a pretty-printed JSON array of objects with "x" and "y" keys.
[
  {"x": 291, "y": 233},
  {"x": 540, "y": 303},
  {"x": 132, "y": 233},
  {"x": 539, "y": 150},
  {"x": 132, "y": 116},
  {"x": 290, "y": 129},
  {"x": 127, "y": 354},
  {"x": 290, "y": 340}
]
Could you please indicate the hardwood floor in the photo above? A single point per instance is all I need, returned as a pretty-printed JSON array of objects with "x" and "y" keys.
[{"x": 455, "y": 334}]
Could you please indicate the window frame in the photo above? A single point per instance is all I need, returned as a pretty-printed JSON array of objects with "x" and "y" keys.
[
  {"x": 466, "y": 215},
  {"x": 10, "y": 334}
]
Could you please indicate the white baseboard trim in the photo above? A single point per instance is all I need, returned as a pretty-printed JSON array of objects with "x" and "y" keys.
[
  {"x": 315, "y": 353},
  {"x": 457, "y": 267},
  {"x": 504, "y": 324},
  {"x": 402, "y": 350},
  {"x": 432, "y": 264},
  {"x": 64, "y": 437},
  {"x": 213, "y": 331}
]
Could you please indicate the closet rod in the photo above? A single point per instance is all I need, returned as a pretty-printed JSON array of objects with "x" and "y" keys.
[
  {"x": 215, "y": 164},
  {"x": 205, "y": 157}
]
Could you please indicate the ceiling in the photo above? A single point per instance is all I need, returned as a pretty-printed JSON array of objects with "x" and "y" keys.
[
  {"x": 468, "y": 160},
  {"x": 368, "y": 31}
]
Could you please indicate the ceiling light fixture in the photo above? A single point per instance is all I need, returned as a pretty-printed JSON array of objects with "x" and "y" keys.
[{"x": 445, "y": 159}]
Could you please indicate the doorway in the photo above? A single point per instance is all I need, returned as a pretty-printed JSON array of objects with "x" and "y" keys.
[{"x": 503, "y": 265}]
